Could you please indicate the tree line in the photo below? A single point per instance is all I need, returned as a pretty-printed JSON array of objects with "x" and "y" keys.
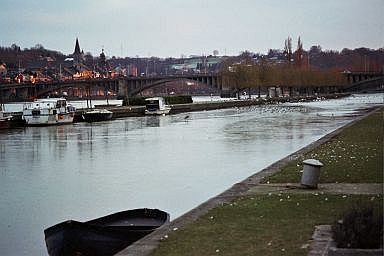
[
  {"x": 265, "y": 73},
  {"x": 14, "y": 56},
  {"x": 299, "y": 68}
]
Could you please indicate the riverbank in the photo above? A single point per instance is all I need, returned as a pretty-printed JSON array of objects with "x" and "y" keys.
[
  {"x": 136, "y": 111},
  {"x": 133, "y": 111},
  {"x": 248, "y": 219}
]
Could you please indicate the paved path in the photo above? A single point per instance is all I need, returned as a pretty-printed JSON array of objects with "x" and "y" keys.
[{"x": 332, "y": 188}]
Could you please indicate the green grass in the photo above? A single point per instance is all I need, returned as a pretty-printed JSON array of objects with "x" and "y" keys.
[
  {"x": 277, "y": 224},
  {"x": 353, "y": 156}
]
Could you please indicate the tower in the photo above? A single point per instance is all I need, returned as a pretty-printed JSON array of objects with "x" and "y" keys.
[
  {"x": 77, "y": 54},
  {"x": 103, "y": 63}
]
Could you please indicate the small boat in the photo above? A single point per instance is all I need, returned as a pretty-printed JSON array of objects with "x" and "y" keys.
[
  {"x": 50, "y": 111},
  {"x": 96, "y": 115},
  {"x": 103, "y": 236},
  {"x": 5, "y": 121},
  {"x": 156, "y": 106}
]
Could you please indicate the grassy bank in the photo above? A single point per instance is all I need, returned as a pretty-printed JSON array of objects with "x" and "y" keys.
[
  {"x": 281, "y": 223},
  {"x": 274, "y": 224},
  {"x": 355, "y": 155}
]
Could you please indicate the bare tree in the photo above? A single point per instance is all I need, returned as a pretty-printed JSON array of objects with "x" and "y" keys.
[
  {"x": 299, "y": 53},
  {"x": 288, "y": 49}
]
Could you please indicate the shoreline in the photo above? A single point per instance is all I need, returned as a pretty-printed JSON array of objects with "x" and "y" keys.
[
  {"x": 146, "y": 245},
  {"x": 135, "y": 111},
  {"x": 138, "y": 111}
]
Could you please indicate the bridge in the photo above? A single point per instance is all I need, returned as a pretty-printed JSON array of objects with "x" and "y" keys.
[
  {"x": 122, "y": 86},
  {"x": 131, "y": 86},
  {"x": 360, "y": 76},
  {"x": 362, "y": 81}
]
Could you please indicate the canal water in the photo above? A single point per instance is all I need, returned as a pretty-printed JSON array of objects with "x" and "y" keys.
[{"x": 82, "y": 171}]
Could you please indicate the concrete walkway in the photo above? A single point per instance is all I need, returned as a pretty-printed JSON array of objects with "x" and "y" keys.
[{"x": 326, "y": 188}]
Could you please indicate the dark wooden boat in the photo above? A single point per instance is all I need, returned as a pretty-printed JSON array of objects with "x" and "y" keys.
[
  {"x": 103, "y": 236},
  {"x": 97, "y": 115}
]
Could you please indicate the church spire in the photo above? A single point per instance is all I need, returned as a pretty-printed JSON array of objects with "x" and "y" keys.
[
  {"x": 77, "y": 47},
  {"x": 77, "y": 55}
]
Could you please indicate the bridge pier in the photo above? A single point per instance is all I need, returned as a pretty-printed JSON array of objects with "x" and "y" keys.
[
  {"x": 22, "y": 93},
  {"x": 122, "y": 88}
]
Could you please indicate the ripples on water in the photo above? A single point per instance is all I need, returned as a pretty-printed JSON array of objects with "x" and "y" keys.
[{"x": 82, "y": 171}]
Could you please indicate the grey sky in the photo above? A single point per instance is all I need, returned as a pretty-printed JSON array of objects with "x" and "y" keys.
[{"x": 174, "y": 27}]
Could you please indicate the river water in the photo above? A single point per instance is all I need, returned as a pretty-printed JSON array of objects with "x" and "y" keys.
[{"x": 82, "y": 171}]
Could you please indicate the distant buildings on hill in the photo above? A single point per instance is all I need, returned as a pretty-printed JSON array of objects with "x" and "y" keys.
[
  {"x": 41, "y": 65},
  {"x": 80, "y": 65}
]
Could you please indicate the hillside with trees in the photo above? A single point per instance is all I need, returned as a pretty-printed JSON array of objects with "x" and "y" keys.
[{"x": 14, "y": 56}]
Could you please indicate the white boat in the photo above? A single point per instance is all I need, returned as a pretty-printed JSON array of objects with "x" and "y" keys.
[
  {"x": 96, "y": 115},
  {"x": 51, "y": 111},
  {"x": 156, "y": 106}
]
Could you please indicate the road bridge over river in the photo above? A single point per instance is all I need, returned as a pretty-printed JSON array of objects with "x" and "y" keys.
[
  {"x": 364, "y": 81},
  {"x": 121, "y": 86},
  {"x": 131, "y": 86}
]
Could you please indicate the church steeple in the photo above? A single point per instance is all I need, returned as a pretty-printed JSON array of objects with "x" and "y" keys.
[
  {"x": 102, "y": 55},
  {"x": 77, "y": 47},
  {"x": 103, "y": 62},
  {"x": 78, "y": 56}
]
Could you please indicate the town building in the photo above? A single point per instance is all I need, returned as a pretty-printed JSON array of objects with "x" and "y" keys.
[
  {"x": 78, "y": 69},
  {"x": 3, "y": 70}
]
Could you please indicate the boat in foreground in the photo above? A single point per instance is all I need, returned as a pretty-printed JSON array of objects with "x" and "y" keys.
[
  {"x": 103, "y": 236},
  {"x": 50, "y": 111},
  {"x": 97, "y": 115},
  {"x": 156, "y": 106}
]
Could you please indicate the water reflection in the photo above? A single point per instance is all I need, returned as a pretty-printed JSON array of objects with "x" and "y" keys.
[{"x": 153, "y": 121}]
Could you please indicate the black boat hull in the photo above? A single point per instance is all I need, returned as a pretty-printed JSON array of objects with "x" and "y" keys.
[
  {"x": 103, "y": 236},
  {"x": 97, "y": 117},
  {"x": 5, "y": 124}
]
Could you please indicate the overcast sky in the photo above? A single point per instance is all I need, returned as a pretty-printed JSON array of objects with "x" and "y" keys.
[{"x": 174, "y": 27}]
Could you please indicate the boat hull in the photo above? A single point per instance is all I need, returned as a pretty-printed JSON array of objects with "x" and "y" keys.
[
  {"x": 97, "y": 116},
  {"x": 103, "y": 236},
  {"x": 158, "y": 111},
  {"x": 5, "y": 123},
  {"x": 76, "y": 238},
  {"x": 42, "y": 120},
  {"x": 54, "y": 111}
]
